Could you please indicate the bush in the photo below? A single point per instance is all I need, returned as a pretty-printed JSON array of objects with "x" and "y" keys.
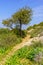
[
  {"x": 24, "y": 33},
  {"x": 4, "y": 31},
  {"x": 17, "y": 33},
  {"x": 8, "y": 39}
]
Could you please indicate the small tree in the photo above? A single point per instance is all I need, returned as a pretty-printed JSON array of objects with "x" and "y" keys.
[
  {"x": 8, "y": 23},
  {"x": 23, "y": 16}
]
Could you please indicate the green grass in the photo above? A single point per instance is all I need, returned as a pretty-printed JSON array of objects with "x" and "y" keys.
[
  {"x": 4, "y": 51},
  {"x": 27, "y": 53},
  {"x": 7, "y": 40}
]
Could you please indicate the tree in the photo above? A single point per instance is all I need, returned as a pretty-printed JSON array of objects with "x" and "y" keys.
[
  {"x": 23, "y": 16},
  {"x": 8, "y": 23}
]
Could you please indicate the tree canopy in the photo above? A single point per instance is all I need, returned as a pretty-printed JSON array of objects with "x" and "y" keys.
[{"x": 23, "y": 16}]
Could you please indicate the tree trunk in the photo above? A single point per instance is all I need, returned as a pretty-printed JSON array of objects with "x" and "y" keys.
[{"x": 20, "y": 28}]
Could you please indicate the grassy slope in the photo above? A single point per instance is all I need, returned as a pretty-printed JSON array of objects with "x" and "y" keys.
[
  {"x": 36, "y": 30},
  {"x": 25, "y": 55},
  {"x": 7, "y": 41}
]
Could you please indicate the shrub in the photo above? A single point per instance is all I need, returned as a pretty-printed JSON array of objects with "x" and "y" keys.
[{"x": 17, "y": 33}]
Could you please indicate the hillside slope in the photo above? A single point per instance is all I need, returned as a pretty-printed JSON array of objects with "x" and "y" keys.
[
  {"x": 26, "y": 42},
  {"x": 36, "y": 34},
  {"x": 36, "y": 30}
]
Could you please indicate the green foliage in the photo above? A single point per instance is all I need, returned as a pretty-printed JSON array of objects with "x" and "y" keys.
[
  {"x": 25, "y": 53},
  {"x": 36, "y": 30},
  {"x": 8, "y": 23},
  {"x": 8, "y": 39},
  {"x": 17, "y": 33},
  {"x": 29, "y": 28},
  {"x": 23, "y": 16},
  {"x": 35, "y": 26},
  {"x": 4, "y": 30},
  {"x": 34, "y": 49},
  {"x": 41, "y": 23}
]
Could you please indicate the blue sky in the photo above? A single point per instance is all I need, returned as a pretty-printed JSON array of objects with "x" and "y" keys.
[{"x": 8, "y": 7}]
